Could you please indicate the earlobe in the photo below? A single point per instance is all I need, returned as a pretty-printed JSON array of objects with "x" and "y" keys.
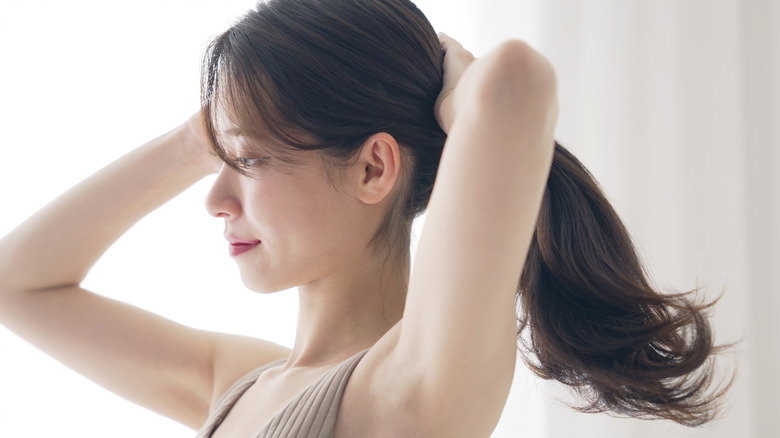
[{"x": 379, "y": 162}]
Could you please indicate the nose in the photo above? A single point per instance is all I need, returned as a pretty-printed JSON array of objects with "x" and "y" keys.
[{"x": 222, "y": 200}]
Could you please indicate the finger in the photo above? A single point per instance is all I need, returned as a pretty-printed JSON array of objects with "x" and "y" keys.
[
  {"x": 453, "y": 49},
  {"x": 447, "y": 42}
]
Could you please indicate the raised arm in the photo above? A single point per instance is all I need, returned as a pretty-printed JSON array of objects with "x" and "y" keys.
[
  {"x": 164, "y": 366},
  {"x": 56, "y": 247},
  {"x": 595, "y": 321},
  {"x": 457, "y": 343}
]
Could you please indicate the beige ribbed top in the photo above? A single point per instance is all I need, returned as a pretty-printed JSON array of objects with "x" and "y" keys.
[{"x": 311, "y": 414}]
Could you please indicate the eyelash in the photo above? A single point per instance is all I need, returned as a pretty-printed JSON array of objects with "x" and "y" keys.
[{"x": 248, "y": 163}]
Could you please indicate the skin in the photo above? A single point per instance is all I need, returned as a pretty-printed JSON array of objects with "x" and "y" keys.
[{"x": 442, "y": 347}]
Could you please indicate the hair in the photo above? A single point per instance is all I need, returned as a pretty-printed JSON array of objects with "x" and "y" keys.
[
  {"x": 593, "y": 320},
  {"x": 326, "y": 75}
]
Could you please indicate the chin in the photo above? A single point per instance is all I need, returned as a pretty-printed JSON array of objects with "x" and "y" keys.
[{"x": 263, "y": 287}]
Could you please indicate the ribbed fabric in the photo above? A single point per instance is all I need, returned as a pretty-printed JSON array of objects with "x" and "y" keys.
[{"x": 311, "y": 414}]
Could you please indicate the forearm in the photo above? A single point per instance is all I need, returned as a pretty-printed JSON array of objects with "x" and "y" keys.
[{"x": 59, "y": 244}]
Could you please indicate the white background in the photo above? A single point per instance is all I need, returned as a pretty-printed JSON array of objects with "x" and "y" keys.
[{"x": 670, "y": 104}]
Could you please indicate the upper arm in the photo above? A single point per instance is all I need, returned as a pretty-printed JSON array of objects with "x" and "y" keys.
[
  {"x": 457, "y": 343},
  {"x": 169, "y": 368}
]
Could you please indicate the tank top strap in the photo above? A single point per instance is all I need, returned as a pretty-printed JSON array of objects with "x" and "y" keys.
[
  {"x": 231, "y": 396},
  {"x": 312, "y": 414}
]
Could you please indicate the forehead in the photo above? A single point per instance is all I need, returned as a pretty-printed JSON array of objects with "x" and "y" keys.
[
  {"x": 244, "y": 120},
  {"x": 237, "y": 142},
  {"x": 238, "y": 136},
  {"x": 247, "y": 126}
]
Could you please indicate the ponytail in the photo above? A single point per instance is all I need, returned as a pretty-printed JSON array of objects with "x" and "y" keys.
[{"x": 590, "y": 319}]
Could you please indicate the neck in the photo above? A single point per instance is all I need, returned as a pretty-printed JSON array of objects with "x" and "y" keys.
[{"x": 347, "y": 312}]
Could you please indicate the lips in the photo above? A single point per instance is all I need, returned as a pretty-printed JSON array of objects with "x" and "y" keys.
[{"x": 240, "y": 246}]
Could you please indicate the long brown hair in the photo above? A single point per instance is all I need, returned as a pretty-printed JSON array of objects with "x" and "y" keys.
[
  {"x": 591, "y": 319},
  {"x": 326, "y": 75}
]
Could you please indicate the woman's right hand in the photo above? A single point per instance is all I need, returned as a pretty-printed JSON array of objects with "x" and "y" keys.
[{"x": 456, "y": 60}]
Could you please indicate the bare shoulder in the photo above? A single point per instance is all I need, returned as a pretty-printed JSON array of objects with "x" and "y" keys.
[
  {"x": 370, "y": 403},
  {"x": 384, "y": 399},
  {"x": 235, "y": 356}
]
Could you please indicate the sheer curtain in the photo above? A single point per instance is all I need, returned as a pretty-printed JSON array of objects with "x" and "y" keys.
[{"x": 671, "y": 104}]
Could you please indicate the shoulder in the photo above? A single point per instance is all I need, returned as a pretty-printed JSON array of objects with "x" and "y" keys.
[
  {"x": 381, "y": 400},
  {"x": 388, "y": 395},
  {"x": 370, "y": 401},
  {"x": 237, "y": 358}
]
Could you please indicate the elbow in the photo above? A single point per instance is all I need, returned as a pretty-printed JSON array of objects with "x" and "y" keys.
[
  {"x": 5, "y": 267},
  {"x": 524, "y": 69},
  {"x": 518, "y": 80},
  {"x": 24, "y": 272},
  {"x": 516, "y": 94},
  {"x": 9, "y": 266},
  {"x": 6, "y": 277}
]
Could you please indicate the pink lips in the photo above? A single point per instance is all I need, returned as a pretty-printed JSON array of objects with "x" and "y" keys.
[{"x": 238, "y": 246}]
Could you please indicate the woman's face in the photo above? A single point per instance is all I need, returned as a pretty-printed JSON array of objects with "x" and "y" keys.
[{"x": 286, "y": 224}]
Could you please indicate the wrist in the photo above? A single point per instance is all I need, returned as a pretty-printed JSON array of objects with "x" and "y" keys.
[
  {"x": 195, "y": 147},
  {"x": 443, "y": 110}
]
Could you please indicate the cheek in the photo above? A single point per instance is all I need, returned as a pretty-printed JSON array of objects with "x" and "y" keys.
[{"x": 294, "y": 208}]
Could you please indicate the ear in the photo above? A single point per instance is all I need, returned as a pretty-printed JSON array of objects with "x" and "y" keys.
[{"x": 377, "y": 168}]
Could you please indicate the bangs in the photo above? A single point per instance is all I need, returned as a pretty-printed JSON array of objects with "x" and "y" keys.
[{"x": 237, "y": 98}]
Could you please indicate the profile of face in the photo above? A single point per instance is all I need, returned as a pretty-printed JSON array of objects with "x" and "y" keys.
[
  {"x": 287, "y": 221},
  {"x": 292, "y": 67}
]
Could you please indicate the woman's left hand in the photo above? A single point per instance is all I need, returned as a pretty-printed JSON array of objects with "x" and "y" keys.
[
  {"x": 456, "y": 60},
  {"x": 199, "y": 144}
]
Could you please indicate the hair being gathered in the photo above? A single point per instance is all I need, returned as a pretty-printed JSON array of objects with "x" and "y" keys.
[{"x": 326, "y": 75}]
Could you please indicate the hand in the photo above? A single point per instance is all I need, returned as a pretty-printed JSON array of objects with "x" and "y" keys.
[
  {"x": 199, "y": 144},
  {"x": 456, "y": 61}
]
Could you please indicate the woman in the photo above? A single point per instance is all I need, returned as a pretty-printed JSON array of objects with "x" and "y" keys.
[{"x": 330, "y": 120}]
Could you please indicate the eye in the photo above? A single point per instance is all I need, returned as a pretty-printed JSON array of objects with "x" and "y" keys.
[{"x": 248, "y": 163}]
